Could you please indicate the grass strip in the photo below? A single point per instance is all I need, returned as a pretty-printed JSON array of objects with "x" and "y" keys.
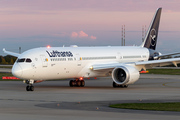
[
  {"x": 164, "y": 71},
  {"x": 174, "y": 106},
  {"x": 6, "y": 67}
]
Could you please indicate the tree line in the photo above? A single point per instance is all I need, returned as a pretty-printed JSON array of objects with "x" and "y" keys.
[{"x": 8, "y": 59}]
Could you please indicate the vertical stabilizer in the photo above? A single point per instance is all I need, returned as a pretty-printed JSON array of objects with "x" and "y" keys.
[{"x": 152, "y": 33}]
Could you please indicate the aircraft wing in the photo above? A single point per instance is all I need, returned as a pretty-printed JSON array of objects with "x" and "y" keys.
[
  {"x": 168, "y": 54},
  {"x": 143, "y": 64},
  {"x": 11, "y": 53},
  {"x": 163, "y": 62}
]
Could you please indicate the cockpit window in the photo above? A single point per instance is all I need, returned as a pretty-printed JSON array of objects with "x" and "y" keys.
[
  {"x": 28, "y": 60},
  {"x": 21, "y": 60}
]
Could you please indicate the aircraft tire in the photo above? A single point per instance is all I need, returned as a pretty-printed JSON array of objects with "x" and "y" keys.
[
  {"x": 115, "y": 85},
  {"x": 78, "y": 83},
  {"x": 82, "y": 83},
  {"x": 27, "y": 88},
  {"x": 71, "y": 83},
  {"x": 121, "y": 86},
  {"x": 31, "y": 88}
]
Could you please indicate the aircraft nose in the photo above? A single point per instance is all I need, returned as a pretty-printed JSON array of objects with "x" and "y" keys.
[{"x": 17, "y": 71}]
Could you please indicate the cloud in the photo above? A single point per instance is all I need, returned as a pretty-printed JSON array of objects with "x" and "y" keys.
[
  {"x": 93, "y": 37},
  {"x": 79, "y": 34},
  {"x": 74, "y": 34},
  {"x": 82, "y": 34}
]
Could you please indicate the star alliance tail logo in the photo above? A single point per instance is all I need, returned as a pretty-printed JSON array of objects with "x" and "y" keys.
[{"x": 153, "y": 37}]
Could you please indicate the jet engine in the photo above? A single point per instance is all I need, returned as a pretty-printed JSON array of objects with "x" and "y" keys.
[{"x": 124, "y": 75}]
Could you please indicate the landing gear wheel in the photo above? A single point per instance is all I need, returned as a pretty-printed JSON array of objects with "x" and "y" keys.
[
  {"x": 71, "y": 83},
  {"x": 78, "y": 83},
  {"x": 115, "y": 85},
  {"x": 31, "y": 88},
  {"x": 82, "y": 83},
  {"x": 119, "y": 86},
  {"x": 27, "y": 88}
]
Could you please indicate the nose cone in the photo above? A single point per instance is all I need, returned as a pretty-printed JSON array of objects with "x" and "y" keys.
[{"x": 17, "y": 71}]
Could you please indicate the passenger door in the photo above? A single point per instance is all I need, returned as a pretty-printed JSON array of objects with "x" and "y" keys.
[
  {"x": 44, "y": 60},
  {"x": 119, "y": 57},
  {"x": 78, "y": 59}
]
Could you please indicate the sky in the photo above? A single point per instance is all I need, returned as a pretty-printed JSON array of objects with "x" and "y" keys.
[{"x": 38, "y": 23}]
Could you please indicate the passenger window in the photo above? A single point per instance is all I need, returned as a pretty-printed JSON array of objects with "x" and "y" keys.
[
  {"x": 21, "y": 60},
  {"x": 28, "y": 60}
]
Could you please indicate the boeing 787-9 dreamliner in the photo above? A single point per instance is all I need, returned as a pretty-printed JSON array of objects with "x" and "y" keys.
[{"x": 123, "y": 63}]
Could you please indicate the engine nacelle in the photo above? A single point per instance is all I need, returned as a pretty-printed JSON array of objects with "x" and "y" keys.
[{"x": 124, "y": 75}]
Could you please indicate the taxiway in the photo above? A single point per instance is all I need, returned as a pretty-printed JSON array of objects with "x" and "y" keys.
[{"x": 56, "y": 100}]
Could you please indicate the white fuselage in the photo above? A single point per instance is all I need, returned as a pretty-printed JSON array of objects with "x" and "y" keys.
[{"x": 73, "y": 62}]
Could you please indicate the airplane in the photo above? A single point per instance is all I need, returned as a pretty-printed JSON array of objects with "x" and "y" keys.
[{"x": 123, "y": 63}]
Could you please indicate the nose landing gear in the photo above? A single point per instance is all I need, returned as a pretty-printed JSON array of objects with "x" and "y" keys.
[
  {"x": 30, "y": 86},
  {"x": 77, "y": 82}
]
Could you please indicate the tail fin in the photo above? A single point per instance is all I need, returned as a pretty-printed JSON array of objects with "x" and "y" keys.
[{"x": 152, "y": 33}]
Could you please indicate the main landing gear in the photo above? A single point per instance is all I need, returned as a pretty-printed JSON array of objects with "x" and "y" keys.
[
  {"x": 30, "y": 86},
  {"x": 119, "y": 86},
  {"x": 77, "y": 82}
]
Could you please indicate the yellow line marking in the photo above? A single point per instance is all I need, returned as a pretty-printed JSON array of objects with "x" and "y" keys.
[{"x": 165, "y": 84}]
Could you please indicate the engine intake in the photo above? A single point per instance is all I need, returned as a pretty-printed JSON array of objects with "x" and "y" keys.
[{"x": 124, "y": 75}]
